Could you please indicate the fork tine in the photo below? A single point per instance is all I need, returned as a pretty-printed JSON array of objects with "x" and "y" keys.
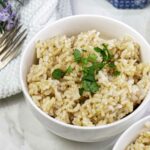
[
  {"x": 16, "y": 30},
  {"x": 12, "y": 53},
  {"x": 10, "y": 47},
  {"x": 8, "y": 39},
  {"x": 3, "y": 40},
  {"x": 6, "y": 61},
  {"x": 6, "y": 35},
  {"x": 13, "y": 48}
]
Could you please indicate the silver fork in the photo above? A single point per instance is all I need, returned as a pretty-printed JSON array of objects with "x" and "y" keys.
[{"x": 10, "y": 44}]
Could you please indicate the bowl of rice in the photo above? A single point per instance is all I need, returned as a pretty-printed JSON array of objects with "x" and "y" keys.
[
  {"x": 86, "y": 78},
  {"x": 136, "y": 137}
]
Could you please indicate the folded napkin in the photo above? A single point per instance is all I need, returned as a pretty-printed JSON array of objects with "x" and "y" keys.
[{"x": 35, "y": 14}]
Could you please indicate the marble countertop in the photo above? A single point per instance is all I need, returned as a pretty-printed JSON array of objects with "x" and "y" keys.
[{"x": 20, "y": 130}]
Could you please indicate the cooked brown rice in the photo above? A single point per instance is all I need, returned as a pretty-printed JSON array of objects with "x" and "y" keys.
[
  {"x": 116, "y": 98},
  {"x": 142, "y": 142}
]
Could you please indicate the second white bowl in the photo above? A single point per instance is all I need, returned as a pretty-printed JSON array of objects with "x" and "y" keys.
[{"x": 130, "y": 134}]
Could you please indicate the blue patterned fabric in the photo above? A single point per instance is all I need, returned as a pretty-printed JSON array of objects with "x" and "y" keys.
[{"x": 123, "y": 4}]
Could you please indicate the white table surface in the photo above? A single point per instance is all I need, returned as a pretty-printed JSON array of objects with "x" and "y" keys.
[{"x": 20, "y": 130}]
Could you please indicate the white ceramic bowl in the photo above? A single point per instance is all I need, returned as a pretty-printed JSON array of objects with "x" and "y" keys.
[
  {"x": 130, "y": 134},
  {"x": 72, "y": 25}
]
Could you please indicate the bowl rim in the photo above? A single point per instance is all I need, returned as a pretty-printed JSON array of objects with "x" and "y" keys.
[
  {"x": 29, "y": 99},
  {"x": 136, "y": 124}
]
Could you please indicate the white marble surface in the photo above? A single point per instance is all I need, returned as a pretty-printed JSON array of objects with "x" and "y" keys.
[{"x": 19, "y": 129}]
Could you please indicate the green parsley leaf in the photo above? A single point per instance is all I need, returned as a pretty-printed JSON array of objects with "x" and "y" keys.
[
  {"x": 90, "y": 70},
  {"x": 97, "y": 49},
  {"x": 99, "y": 65},
  {"x": 77, "y": 55},
  {"x": 89, "y": 77},
  {"x": 69, "y": 70},
  {"x": 84, "y": 61},
  {"x": 105, "y": 53},
  {"x": 105, "y": 48},
  {"x": 102, "y": 52},
  {"x": 58, "y": 74},
  {"x": 89, "y": 82},
  {"x": 112, "y": 65},
  {"x": 86, "y": 85},
  {"x": 92, "y": 87},
  {"x": 92, "y": 58},
  {"x": 116, "y": 73},
  {"x": 81, "y": 90},
  {"x": 105, "y": 45},
  {"x": 89, "y": 73}
]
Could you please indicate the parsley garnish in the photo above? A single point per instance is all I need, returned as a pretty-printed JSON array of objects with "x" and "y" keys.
[
  {"x": 99, "y": 65},
  {"x": 92, "y": 58},
  {"x": 90, "y": 67},
  {"x": 94, "y": 87},
  {"x": 88, "y": 74},
  {"x": 69, "y": 70},
  {"x": 112, "y": 65},
  {"x": 77, "y": 55},
  {"x": 89, "y": 82},
  {"x": 106, "y": 56},
  {"x": 81, "y": 90},
  {"x": 58, "y": 74},
  {"x": 91, "y": 87},
  {"x": 116, "y": 73},
  {"x": 84, "y": 61}
]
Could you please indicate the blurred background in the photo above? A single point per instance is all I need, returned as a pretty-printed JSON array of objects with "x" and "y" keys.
[{"x": 137, "y": 18}]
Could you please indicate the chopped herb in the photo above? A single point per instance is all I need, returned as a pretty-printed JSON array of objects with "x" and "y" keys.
[
  {"x": 116, "y": 73},
  {"x": 81, "y": 90},
  {"x": 92, "y": 87},
  {"x": 97, "y": 49},
  {"x": 88, "y": 80},
  {"x": 77, "y": 55},
  {"x": 105, "y": 46},
  {"x": 106, "y": 56},
  {"x": 92, "y": 57},
  {"x": 90, "y": 67},
  {"x": 109, "y": 55},
  {"x": 88, "y": 73},
  {"x": 102, "y": 52},
  {"x": 99, "y": 66},
  {"x": 84, "y": 61},
  {"x": 112, "y": 65},
  {"x": 89, "y": 77},
  {"x": 84, "y": 50},
  {"x": 86, "y": 85},
  {"x": 58, "y": 74},
  {"x": 69, "y": 70}
]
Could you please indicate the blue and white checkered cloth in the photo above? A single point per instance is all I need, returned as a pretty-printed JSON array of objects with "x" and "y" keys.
[{"x": 123, "y": 4}]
